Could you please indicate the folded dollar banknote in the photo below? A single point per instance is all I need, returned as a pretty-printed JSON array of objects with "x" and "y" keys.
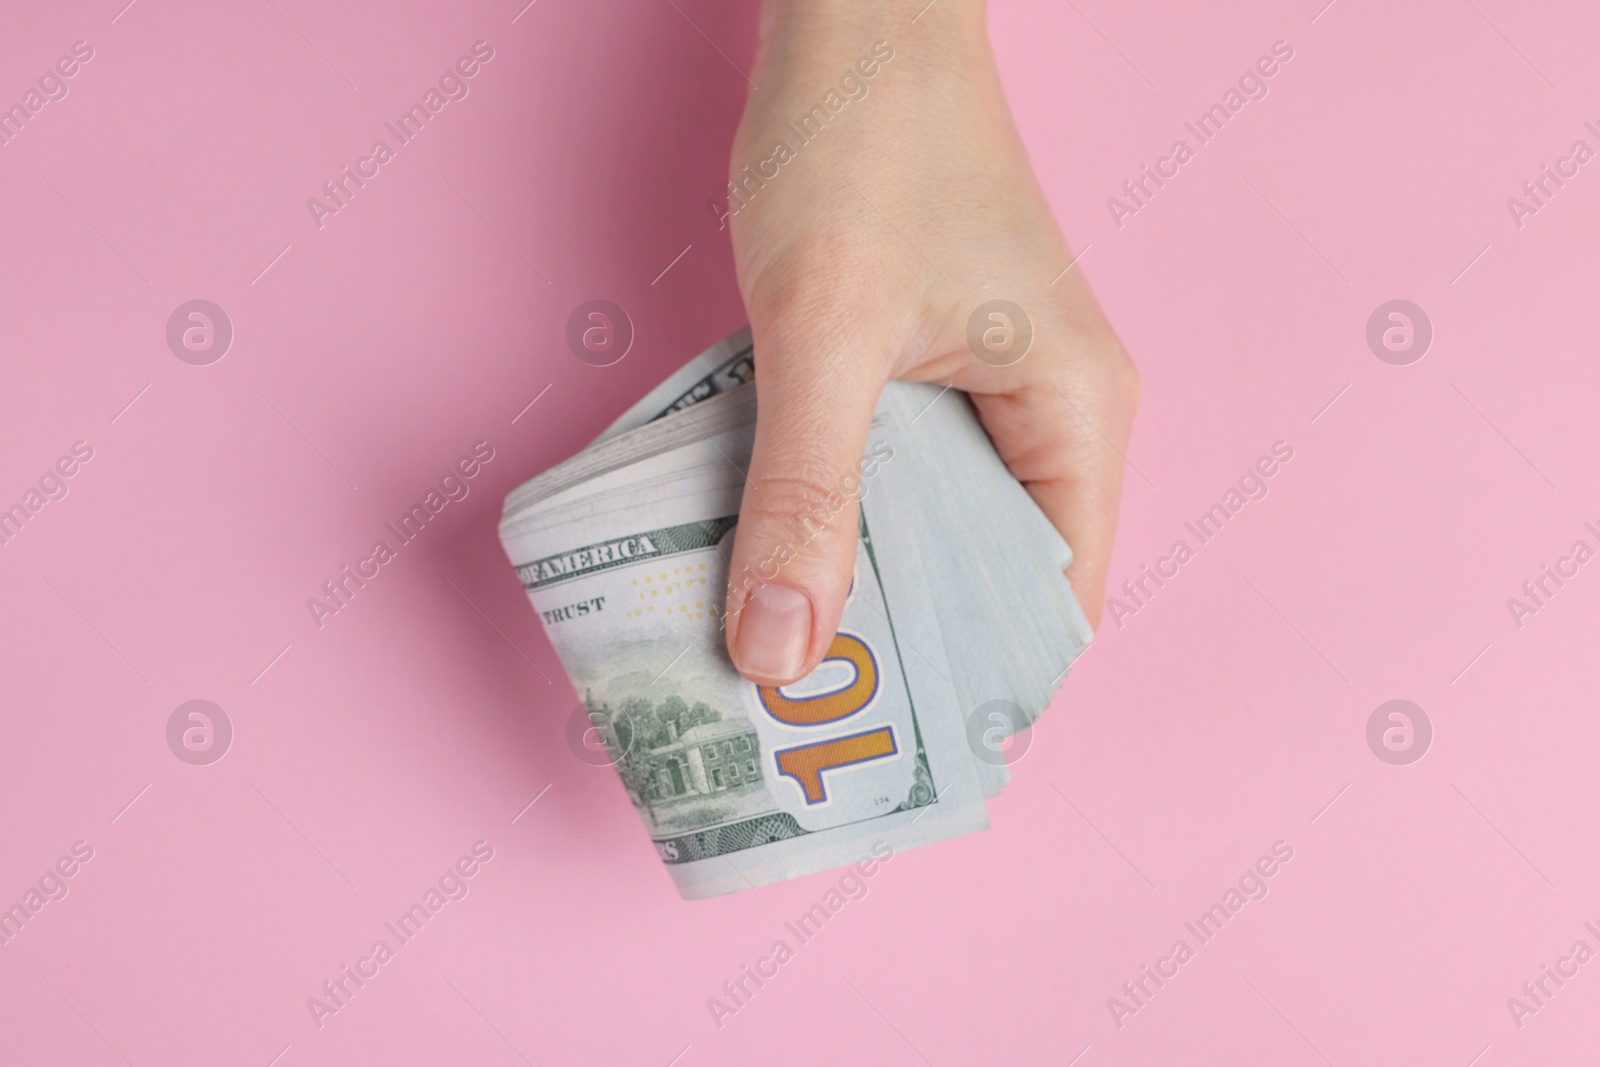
[{"x": 958, "y": 629}]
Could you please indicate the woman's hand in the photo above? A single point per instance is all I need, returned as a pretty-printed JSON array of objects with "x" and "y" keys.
[{"x": 867, "y": 234}]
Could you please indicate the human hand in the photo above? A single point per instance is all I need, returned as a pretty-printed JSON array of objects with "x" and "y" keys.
[{"x": 866, "y": 234}]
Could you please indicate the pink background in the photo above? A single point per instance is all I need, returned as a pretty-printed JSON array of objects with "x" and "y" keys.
[{"x": 369, "y": 755}]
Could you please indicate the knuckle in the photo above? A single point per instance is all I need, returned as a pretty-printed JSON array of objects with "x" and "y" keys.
[
  {"x": 1108, "y": 371},
  {"x": 822, "y": 299},
  {"x": 1126, "y": 382},
  {"x": 810, "y": 498}
]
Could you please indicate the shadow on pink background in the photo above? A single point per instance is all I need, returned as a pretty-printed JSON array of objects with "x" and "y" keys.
[{"x": 1229, "y": 713}]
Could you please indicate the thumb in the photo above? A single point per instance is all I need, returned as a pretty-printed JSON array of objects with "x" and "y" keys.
[{"x": 794, "y": 549}]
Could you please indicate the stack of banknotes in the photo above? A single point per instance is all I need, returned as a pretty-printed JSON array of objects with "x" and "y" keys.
[{"x": 959, "y": 628}]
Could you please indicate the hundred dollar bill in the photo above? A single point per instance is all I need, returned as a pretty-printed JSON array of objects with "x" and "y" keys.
[
  {"x": 724, "y": 366},
  {"x": 740, "y": 784},
  {"x": 959, "y": 628}
]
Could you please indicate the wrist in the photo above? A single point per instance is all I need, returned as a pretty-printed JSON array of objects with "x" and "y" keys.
[{"x": 887, "y": 19}]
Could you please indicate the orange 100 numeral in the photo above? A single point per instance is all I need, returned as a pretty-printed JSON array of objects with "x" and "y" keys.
[
  {"x": 819, "y": 709},
  {"x": 806, "y": 763}
]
